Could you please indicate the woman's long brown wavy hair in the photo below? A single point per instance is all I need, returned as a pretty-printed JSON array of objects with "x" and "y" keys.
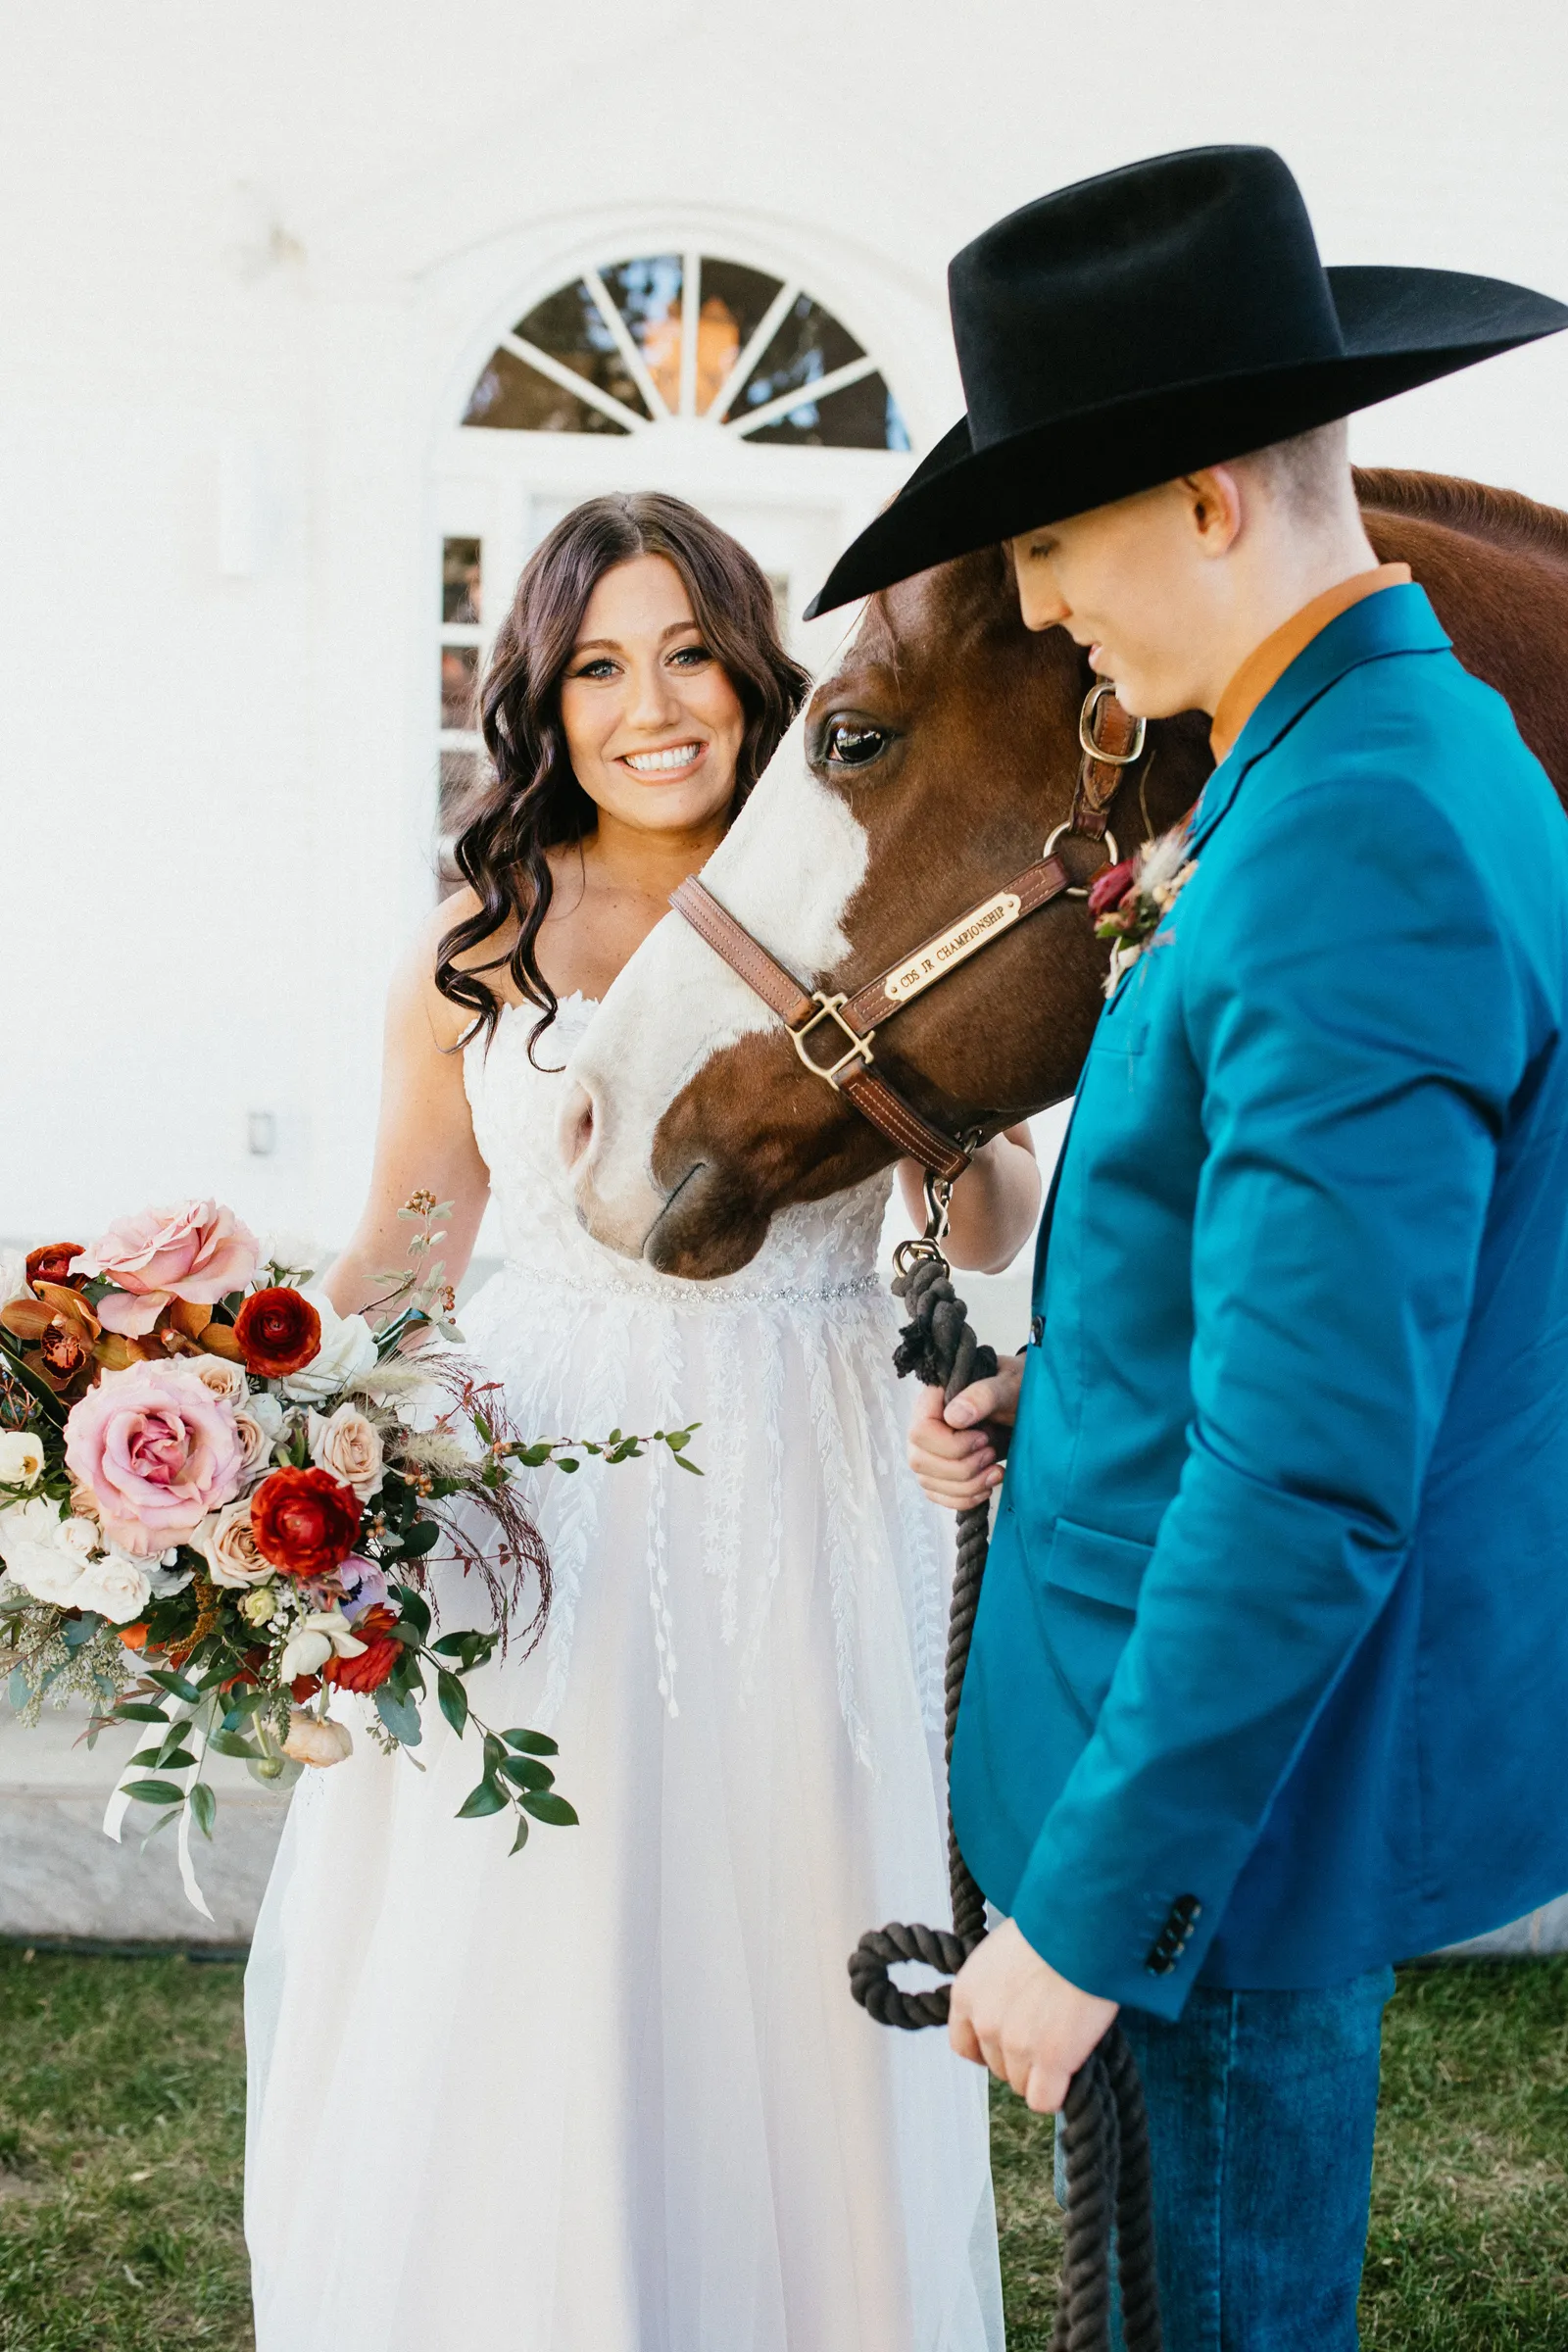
[{"x": 533, "y": 802}]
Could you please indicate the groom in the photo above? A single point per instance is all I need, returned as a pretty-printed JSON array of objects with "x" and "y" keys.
[{"x": 1269, "y": 1683}]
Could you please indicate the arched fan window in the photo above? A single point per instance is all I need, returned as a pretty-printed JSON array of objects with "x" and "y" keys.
[{"x": 632, "y": 346}]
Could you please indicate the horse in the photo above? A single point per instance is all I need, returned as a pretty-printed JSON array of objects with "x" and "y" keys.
[{"x": 930, "y": 765}]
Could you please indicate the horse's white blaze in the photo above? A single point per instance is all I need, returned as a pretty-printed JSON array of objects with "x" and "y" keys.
[{"x": 787, "y": 869}]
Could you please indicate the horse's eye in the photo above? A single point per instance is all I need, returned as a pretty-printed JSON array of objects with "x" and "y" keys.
[{"x": 851, "y": 746}]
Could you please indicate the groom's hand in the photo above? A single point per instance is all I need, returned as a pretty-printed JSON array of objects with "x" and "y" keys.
[
  {"x": 954, "y": 1448},
  {"x": 1011, "y": 2012}
]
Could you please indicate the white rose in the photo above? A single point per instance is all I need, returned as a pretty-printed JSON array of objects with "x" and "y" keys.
[
  {"x": 227, "y": 1541},
  {"x": 45, "y": 1554},
  {"x": 313, "y": 1641},
  {"x": 21, "y": 1457},
  {"x": 348, "y": 1348},
  {"x": 226, "y": 1380},
  {"x": 294, "y": 1252},
  {"x": 260, "y": 1606},
  {"x": 118, "y": 1586},
  {"x": 167, "y": 1577},
  {"x": 259, "y": 1423},
  {"x": 13, "y": 1276},
  {"x": 317, "y": 1740},
  {"x": 349, "y": 1447}
]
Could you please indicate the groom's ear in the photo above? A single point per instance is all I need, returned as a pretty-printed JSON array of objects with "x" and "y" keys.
[{"x": 1215, "y": 508}]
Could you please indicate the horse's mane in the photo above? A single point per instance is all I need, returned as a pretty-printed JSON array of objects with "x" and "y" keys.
[{"x": 1505, "y": 518}]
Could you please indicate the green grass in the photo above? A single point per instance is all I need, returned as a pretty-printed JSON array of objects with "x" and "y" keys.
[
  {"x": 121, "y": 2135},
  {"x": 121, "y": 2118}
]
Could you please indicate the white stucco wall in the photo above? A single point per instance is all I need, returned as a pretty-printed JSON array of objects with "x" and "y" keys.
[{"x": 252, "y": 261}]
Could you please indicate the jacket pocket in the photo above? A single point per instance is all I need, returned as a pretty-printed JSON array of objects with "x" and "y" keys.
[
  {"x": 1086, "y": 1599},
  {"x": 1097, "y": 1566}
]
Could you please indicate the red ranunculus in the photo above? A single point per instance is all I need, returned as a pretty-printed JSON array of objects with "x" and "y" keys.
[
  {"x": 369, "y": 1670},
  {"x": 1110, "y": 887},
  {"x": 52, "y": 1263},
  {"x": 278, "y": 1332},
  {"x": 304, "y": 1522}
]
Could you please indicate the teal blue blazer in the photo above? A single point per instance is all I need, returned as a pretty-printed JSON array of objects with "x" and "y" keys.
[{"x": 1269, "y": 1681}]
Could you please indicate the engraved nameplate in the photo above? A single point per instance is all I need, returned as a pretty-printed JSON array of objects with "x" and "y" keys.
[{"x": 940, "y": 956}]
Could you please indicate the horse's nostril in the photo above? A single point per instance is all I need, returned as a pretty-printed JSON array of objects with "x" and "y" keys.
[{"x": 576, "y": 1129}]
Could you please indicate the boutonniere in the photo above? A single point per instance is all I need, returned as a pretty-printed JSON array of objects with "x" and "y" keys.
[{"x": 1129, "y": 902}]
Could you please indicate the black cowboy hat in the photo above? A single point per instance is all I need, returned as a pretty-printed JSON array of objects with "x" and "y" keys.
[{"x": 1168, "y": 316}]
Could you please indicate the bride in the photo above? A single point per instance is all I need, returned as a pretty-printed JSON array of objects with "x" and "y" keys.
[{"x": 611, "y": 2095}]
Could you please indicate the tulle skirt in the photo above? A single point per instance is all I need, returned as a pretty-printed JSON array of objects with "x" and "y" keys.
[{"x": 611, "y": 2094}]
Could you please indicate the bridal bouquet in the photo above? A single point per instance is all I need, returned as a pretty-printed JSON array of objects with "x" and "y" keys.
[{"x": 219, "y": 1501}]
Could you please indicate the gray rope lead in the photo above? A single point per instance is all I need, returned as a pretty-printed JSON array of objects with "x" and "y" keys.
[{"x": 1104, "y": 2124}]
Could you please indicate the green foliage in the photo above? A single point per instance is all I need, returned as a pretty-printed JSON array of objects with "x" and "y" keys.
[
  {"x": 453, "y": 1700},
  {"x": 487, "y": 1798}
]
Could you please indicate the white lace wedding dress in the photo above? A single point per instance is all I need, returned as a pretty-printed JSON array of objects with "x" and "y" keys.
[{"x": 611, "y": 2095}]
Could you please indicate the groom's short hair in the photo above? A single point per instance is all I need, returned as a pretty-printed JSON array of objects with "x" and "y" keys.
[{"x": 1309, "y": 473}]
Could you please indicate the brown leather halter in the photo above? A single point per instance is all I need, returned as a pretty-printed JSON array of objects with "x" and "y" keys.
[{"x": 1110, "y": 740}]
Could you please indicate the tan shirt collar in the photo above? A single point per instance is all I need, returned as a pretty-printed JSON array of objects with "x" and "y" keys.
[{"x": 1268, "y": 663}]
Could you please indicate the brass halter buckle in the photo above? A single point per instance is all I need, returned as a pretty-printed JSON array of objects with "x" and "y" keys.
[
  {"x": 830, "y": 1009},
  {"x": 1086, "y": 729}
]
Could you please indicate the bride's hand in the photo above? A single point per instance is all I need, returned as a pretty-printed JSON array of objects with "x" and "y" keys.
[{"x": 955, "y": 1449}]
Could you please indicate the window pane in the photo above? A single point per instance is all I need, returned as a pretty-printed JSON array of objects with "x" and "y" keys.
[
  {"x": 568, "y": 325},
  {"x": 810, "y": 344},
  {"x": 459, "y": 580},
  {"x": 516, "y": 399},
  {"x": 460, "y": 678},
  {"x": 647, "y": 293},
  {"x": 862, "y": 416},
  {"x": 735, "y": 300}
]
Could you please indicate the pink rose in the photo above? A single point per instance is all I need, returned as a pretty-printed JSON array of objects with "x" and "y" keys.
[
  {"x": 157, "y": 1450},
  {"x": 199, "y": 1251}
]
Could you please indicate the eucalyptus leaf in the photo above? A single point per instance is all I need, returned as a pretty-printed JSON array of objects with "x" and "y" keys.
[
  {"x": 203, "y": 1804},
  {"x": 415, "y": 1607},
  {"x": 681, "y": 1463},
  {"x": 423, "y": 1537},
  {"x": 181, "y": 1761},
  {"x": 526, "y": 1771},
  {"x": 399, "y": 1715},
  {"x": 522, "y": 1838},
  {"x": 230, "y": 1743},
  {"x": 453, "y": 1700},
  {"x": 487, "y": 1798},
  {"x": 546, "y": 1806},
  {"x": 139, "y": 1710},
  {"x": 174, "y": 1684},
  {"x": 532, "y": 1743},
  {"x": 155, "y": 1793}
]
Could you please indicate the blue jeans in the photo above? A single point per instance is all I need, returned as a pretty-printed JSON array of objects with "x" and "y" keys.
[{"x": 1262, "y": 2112}]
